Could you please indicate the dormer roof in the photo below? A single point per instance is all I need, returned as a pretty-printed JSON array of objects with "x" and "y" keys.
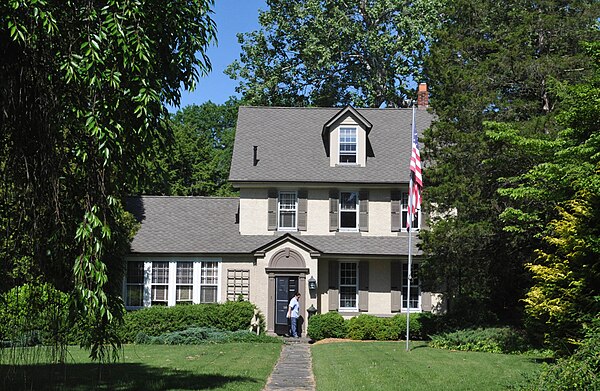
[{"x": 340, "y": 115}]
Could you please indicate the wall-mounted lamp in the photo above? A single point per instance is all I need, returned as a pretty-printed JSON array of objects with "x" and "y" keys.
[{"x": 312, "y": 283}]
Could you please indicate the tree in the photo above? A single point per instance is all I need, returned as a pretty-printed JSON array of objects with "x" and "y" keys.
[
  {"x": 493, "y": 61},
  {"x": 194, "y": 159},
  {"x": 327, "y": 52},
  {"x": 83, "y": 89},
  {"x": 559, "y": 200}
]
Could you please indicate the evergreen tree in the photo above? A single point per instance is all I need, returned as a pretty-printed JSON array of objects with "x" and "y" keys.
[{"x": 492, "y": 61}]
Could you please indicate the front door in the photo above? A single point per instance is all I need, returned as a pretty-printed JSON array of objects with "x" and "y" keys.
[{"x": 285, "y": 288}]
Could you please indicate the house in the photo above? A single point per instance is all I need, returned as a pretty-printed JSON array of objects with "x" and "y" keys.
[{"x": 321, "y": 211}]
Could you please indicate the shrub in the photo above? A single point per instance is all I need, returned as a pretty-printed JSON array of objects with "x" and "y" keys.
[
  {"x": 328, "y": 325},
  {"x": 577, "y": 372},
  {"x": 200, "y": 335},
  {"x": 369, "y": 327},
  {"x": 416, "y": 325},
  {"x": 33, "y": 314},
  {"x": 363, "y": 327},
  {"x": 492, "y": 340},
  {"x": 158, "y": 320}
]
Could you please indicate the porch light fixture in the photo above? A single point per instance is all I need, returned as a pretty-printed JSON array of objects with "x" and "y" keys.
[{"x": 312, "y": 283}]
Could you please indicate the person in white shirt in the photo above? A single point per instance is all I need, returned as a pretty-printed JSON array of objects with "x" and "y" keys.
[{"x": 293, "y": 313}]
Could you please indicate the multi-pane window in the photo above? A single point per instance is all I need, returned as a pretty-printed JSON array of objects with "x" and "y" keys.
[
  {"x": 208, "y": 282},
  {"x": 160, "y": 283},
  {"x": 347, "y": 145},
  {"x": 415, "y": 289},
  {"x": 184, "y": 282},
  {"x": 135, "y": 284},
  {"x": 348, "y": 285},
  {"x": 288, "y": 207},
  {"x": 415, "y": 224},
  {"x": 348, "y": 211},
  {"x": 172, "y": 282}
]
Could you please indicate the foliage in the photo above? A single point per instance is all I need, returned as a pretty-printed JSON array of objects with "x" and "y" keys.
[
  {"x": 199, "y": 335},
  {"x": 327, "y": 325},
  {"x": 34, "y": 314},
  {"x": 577, "y": 372},
  {"x": 364, "y": 327},
  {"x": 83, "y": 87},
  {"x": 491, "y": 340},
  {"x": 159, "y": 320},
  {"x": 327, "y": 53},
  {"x": 558, "y": 201},
  {"x": 369, "y": 327},
  {"x": 194, "y": 159},
  {"x": 491, "y": 66}
]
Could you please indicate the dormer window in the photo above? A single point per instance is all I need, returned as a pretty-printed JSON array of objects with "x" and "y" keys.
[
  {"x": 346, "y": 139},
  {"x": 347, "y": 145}
]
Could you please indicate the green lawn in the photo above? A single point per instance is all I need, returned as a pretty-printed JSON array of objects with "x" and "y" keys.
[
  {"x": 232, "y": 366},
  {"x": 387, "y": 366},
  {"x": 246, "y": 366}
]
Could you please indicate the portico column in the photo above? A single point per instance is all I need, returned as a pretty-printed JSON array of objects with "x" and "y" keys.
[{"x": 271, "y": 305}]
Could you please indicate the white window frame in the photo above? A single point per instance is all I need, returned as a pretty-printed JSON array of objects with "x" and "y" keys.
[
  {"x": 184, "y": 284},
  {"x": 129, "y": 284},
  {"x": 203, "y": 282},
  {"x": 340, "y": 285},
  {"x": 156, "y": 283},
  {"x": 170, "y": 281},
  {"x": 414, "y": 284},
  {"x": 348, "y": 211},
  {"x": 288, "y": 210},
  {"x": 404, "y": 214},
  {"x": 342, "y": 137}
]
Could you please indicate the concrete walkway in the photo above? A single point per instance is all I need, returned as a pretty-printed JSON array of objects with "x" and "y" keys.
[{"x": 293, "y": 370}]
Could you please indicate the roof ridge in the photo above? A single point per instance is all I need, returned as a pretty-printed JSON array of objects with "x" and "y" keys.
[
  {"x": 185, "y": 197},
  {"x": 327, "y": 108}
]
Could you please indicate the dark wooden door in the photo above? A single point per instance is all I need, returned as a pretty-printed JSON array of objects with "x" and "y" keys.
[{"x": 285, "y": 288}]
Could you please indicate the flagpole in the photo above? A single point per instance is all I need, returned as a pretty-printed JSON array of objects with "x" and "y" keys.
[{"x": 410, "y": 223}]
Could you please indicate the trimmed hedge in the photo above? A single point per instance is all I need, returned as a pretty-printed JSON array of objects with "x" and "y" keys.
[
  {"x": 328, "y": 325},
  {"x": 365, "y": 327},
  {"x": 200, "y": 335},
  {"x": 158, "y": 320},
  {"x": 369, "y": 327}
]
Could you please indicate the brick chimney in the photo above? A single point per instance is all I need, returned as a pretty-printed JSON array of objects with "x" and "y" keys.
[{"x": 422, "y": 96}]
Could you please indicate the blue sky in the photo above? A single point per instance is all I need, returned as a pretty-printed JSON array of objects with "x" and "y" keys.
[{"x": 232, "y": 17}]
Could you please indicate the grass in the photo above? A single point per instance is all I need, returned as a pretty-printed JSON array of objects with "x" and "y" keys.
[
  {"x": 228, "y": 366},
  {"x": 387, "y": 366}
]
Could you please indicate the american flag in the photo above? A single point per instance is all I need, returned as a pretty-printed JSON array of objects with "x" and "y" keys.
[{"x": 416, "y": 180}]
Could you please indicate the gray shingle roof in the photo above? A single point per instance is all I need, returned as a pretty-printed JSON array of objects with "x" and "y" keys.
[
  {"x": 207, "y": 225},
  {"x": 290, "y": 147}
]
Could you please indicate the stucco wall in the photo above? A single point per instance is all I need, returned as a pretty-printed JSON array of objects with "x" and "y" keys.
[{"x": 253, "y": 212}]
